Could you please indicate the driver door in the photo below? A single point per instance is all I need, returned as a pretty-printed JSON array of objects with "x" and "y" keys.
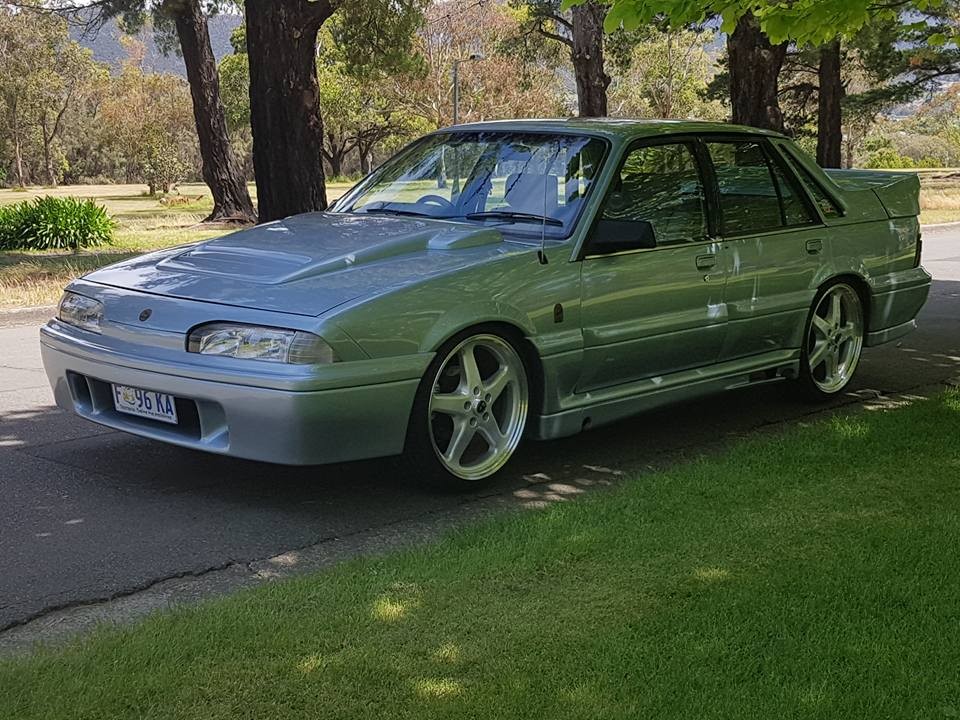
[{"x": 657, "y": 308}]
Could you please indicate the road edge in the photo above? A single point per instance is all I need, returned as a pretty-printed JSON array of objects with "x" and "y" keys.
[{"x": 60, "y": 625}]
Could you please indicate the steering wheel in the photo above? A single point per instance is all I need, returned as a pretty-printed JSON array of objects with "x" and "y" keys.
[{"x": 442, "y": 202}]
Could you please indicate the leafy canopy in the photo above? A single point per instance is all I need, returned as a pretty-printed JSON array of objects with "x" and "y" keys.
[{"x": 812, "y": 22}]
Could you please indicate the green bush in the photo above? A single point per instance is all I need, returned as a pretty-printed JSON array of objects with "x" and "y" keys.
[
  {"x": 888, "y": 158},
  {"x": 50, "y": 223}
]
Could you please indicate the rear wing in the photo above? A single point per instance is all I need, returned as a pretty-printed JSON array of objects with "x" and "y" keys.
[{"x": 898, "y": 192}]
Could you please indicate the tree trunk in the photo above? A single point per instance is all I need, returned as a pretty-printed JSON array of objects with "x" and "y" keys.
[
  {"x": 284, "y": 105},
  {"x": 364, "y": 160},
  {"x": 587, "y": 57},
  {"x": 335, "y": 158},
  {"x": 829, "y": 114},
  {"x": 18, "y": 152},
  {"x": 754, "y": 66},
  {"x": 231, "y": 200},
  {"x": 47, "y": 155}
]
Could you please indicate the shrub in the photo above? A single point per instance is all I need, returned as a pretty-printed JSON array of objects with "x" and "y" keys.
[
  {"x": 889, "y": 159},
  {"x": 51, "y": 223}
]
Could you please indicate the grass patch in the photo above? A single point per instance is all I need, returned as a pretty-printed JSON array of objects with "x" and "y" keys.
[
  {"x": 812, "y": 574},
  {"x": 144, "y": 223},
  {"x": 940, "y": 201}
]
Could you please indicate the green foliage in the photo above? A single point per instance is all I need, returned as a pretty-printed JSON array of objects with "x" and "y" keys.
[
  {"x": 235, "y": 89},
  {"x": 162, "y": 167},
  {"x": 665, "y": 75},
  {"x": 888, "y": 158},
  {"x": 51, "y": 223},
  {"x": 812, "y": 22},
  {"x": 376, "y": 36}
]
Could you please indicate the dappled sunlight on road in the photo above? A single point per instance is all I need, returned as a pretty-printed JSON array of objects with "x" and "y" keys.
[{"x": 542, "y": 491}]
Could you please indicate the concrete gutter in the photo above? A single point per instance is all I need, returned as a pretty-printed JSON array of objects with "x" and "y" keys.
[{"x": 36, "y": 315}]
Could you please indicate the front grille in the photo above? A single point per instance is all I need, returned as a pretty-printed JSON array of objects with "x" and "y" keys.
[{"x": 95, "y": 397}]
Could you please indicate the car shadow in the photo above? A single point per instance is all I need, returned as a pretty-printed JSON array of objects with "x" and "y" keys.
[{"x": 90, "y": 511}]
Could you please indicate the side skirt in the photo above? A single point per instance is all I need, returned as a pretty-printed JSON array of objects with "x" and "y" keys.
[{"x": 608, "y": 405}]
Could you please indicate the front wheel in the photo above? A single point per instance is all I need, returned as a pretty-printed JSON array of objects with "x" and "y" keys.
[
  {"x": 470, "y": 412},
  {"x": 833, "y": 340}
]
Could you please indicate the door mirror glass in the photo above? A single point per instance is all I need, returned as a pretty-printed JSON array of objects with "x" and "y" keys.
[{"x": 613, "y": 236}]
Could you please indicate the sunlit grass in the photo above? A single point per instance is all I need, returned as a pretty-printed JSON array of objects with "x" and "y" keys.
[
  {"x": 809, "y": 574},
  {"x": 144, "y": 223},
  {"x": 940, "y": 202}
]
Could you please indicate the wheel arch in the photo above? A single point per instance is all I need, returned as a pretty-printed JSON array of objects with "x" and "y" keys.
[
  {"x": 519, "y": 339},
  {"x": 858, "y": 283}
]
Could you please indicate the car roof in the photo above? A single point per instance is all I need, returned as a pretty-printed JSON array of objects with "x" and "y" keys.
[{"x": 611, "y": 127}]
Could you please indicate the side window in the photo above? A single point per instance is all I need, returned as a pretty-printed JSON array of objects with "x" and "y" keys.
[
  {"x": 661, "y": 185},
  {"x": 755, "y": 194},
  {"x": 795, "y": 210},
  {"x": 827, "y": 206}
]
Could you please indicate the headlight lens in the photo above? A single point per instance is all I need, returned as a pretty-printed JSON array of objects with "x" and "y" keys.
[
  {"x": 80, "y": 311},
  {"x": 251, "y": 342}
]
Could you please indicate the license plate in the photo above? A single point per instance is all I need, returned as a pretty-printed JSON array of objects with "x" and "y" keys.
[{"x": 145, "y": 403}]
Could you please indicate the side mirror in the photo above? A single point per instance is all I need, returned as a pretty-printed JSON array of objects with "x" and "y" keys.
[{"x": 613, "y": 236}]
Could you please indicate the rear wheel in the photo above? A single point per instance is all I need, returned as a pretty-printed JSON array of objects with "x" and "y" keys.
[
  {"x": 833, "y": 341},
  {"x": 470, "y": 412}
]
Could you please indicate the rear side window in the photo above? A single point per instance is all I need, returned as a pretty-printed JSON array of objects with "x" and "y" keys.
[
  {"x": 756, "y": 195},
  {"x": 827, "y": 206}
]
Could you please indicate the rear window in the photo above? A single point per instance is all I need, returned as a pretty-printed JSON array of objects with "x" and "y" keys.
[
  {"x": 827, "y": 206},
  {"x": 756, "y": 195}
]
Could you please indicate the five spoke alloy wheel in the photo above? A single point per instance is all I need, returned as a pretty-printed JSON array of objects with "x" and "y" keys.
[
  {"x": 834, "y": 339},
  {"x": 477, "y": 406}
]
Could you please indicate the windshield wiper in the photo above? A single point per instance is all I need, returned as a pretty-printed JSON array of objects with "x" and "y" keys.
[
  {"x": 392, "y": 211},
  {"x": 514, "y": 217}
]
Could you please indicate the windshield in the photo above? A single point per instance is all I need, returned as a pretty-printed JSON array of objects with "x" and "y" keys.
[{"x": 522, "y": 182}]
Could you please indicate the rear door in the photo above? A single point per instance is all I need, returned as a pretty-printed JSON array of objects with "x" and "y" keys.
[
  {"x": 655, "y": 309},
  {"x": 774, "y": 240}
]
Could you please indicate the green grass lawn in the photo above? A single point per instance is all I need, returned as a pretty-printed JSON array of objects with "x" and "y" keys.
[
  {"x": 809, "y": 574},
  {"x": 29, "y": 279}
]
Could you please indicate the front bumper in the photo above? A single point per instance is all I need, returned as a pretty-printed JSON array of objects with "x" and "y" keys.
[{"x": 292, "y": 423}]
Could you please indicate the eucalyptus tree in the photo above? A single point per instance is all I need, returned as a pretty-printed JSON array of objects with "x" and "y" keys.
[
  {"x": 285, "y": 113},
  {"x": 186, "y": 21},
  {"x": 759, "y": 32},
  {"x": 579, "y": 30},
  {"x": 42, "y": 74}
]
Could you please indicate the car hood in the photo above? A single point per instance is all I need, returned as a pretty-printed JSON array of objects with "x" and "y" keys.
[{"x": 308, "y": 264}]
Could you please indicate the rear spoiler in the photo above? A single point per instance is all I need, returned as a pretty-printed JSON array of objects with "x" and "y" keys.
[{"x": 899, "y": 193}]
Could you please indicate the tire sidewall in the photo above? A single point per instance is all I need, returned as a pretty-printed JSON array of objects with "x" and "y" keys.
[
  {"x": 807, "y": 381},
  {"x": 419, "y": 457}
]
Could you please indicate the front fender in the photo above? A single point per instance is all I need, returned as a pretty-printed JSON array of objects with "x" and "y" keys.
[{"x": 472, "y": 314}]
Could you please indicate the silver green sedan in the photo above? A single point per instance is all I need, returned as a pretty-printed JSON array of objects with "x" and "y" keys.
[{"x": 494, "y": 282}]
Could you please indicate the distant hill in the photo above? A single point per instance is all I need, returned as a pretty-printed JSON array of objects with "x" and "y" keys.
[{"x": 106, "y": 46}]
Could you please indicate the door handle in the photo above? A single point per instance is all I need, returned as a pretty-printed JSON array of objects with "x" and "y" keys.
[
  {"x": 705, "y": 262},
  {"x": 814, "y": 246}
]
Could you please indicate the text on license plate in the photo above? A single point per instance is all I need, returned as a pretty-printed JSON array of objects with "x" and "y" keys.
[{"x": 145, "y": 403}]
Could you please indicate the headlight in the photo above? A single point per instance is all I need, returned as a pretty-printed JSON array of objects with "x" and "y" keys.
[
  {"x": 80, "y": 311},
  {"x": 260, "y": 343}
]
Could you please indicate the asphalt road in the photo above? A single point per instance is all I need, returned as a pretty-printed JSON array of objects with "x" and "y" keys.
[{"x": 96, "y": 524}]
